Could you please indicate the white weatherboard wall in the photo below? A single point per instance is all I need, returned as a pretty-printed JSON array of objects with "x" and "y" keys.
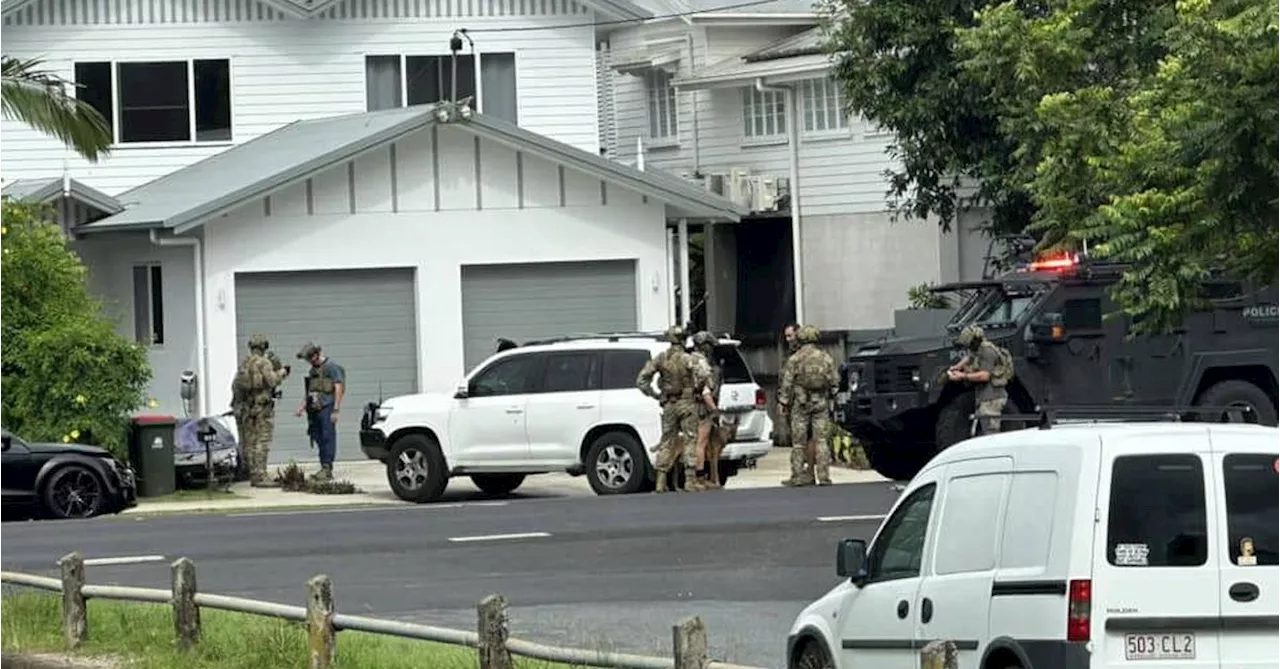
[
  {"x": 285, "y": 69},
  {"x": 401, "y": 227}
]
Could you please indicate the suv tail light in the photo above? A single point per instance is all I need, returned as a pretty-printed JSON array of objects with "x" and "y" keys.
[
  {"x": 761, "y": 400},
  {"x": 1079, "y": 601}
]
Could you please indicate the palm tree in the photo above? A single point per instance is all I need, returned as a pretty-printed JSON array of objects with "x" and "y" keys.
[{"x": 39, "y": 99}]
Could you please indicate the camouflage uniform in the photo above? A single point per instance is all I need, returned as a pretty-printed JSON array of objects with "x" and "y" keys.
[
  {"x": 781, "y": 424},
  {"x": 809, "y": 381},
  {"x": 674, "y": 368},
  {"x": 984, "y": 356},
  {"x": 253, "y": 401},
  {"x": 707, "y": 375}
]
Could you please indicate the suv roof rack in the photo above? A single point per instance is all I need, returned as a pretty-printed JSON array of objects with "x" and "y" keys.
[{"x": 1047, "y": 416}]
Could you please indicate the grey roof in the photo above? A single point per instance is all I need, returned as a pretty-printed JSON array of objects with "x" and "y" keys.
[
  {"x": 621, "y": 9},
  {"x": 807, "y": 43},
  {"x": 50, "y": 188},
  {"x": 776, "y": 7},
  {"x": 194, "y": 194}
]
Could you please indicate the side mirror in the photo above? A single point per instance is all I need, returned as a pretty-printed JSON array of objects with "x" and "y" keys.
[
  {"x": 7, "y": 442},
  {"x": 851, "y": 560},
  {"x": 460, "y": 393},
  {"x": 1046, "y": 329}
]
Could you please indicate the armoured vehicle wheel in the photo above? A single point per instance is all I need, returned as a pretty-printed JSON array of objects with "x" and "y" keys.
[
  {"x": 1238, "y": 393},
  {"x": 953, "y": 424},
  {"x": 416, "y": 470},
  {"x": 497, "y": 484},
  {"x": 897, "y": 463}
]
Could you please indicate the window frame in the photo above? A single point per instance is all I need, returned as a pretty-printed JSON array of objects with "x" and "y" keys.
[
  {"x": 193, "y": 133},
  {"x": 154, "y": 325},
  {"x": 534, "y": 385},
  {"x": 477, "y": 58},
  {"x": 829, "y": 87},
  {"x": 654, "y": 100},
  {"x": 889, "y": 525},
  {"x": 750, "y": 97},
  {"x": 1232, "y": 539}
]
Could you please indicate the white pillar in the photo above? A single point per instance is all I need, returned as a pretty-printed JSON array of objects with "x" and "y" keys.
[
  {"x": 671, "y": 278},
  {"x": 683, "y": 243}
]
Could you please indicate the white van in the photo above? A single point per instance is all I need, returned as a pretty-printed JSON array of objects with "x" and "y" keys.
[{"x": 1150, "y": 545}]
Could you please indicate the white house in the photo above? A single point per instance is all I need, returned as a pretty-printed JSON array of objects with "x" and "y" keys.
[
  {"x": 313, "y": 205},
  {"x": 741, "y": 100}
]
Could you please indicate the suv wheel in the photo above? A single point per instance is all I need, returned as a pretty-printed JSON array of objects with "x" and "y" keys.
[
  {"x": 497, "y": 484},
  {"x": 1238, "y": 394},
  {"x": 416, "y": 469},
  {"x": 616, "y": 464}
]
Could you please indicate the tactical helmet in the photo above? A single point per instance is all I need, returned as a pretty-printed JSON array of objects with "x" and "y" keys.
[
  {"x": 308, "y": 349},
  {"x": 704, "y": 339},
  {"x": 674, "y": 334},
  {"x": 259, "y": 342},
  {"x": 808, "y": 334},
  {"x": 970, "y": 336}
]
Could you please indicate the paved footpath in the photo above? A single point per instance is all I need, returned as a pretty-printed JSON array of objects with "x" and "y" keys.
[{"x": 370, "y": 476}]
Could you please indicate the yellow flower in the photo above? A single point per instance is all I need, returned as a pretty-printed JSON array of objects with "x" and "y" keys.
[
  {"x": 81, "y": 399},
  {"x": 4, "y": 230},
  {"x": 75, "y": 434},
  {"x": 66, "y": 439},
  {"x": 152, "y": 403}
]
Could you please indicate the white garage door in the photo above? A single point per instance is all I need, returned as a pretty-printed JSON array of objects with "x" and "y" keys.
[
  {"x": 531, "y": 301},
  {"x": 363, "y": 319}
]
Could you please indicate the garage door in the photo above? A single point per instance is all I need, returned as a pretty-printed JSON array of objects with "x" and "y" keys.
[
  {"x": 531, "y": 301},
  {"x": 363, "y": 319}
]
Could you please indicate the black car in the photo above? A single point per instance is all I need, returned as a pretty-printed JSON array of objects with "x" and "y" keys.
[{"x": 65, "y": 480}]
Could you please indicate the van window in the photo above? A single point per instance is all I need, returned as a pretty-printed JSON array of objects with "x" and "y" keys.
[
  {"x": 1028, "y": 523},
  {"x": 622, "y": 366},
  {"x": 733, "y": 369},
  {"x": 1252, "y": 487},
  {"x": 898, "y": 550},
  {"x": 967, "y": 529},
  {"x": 1157, "y": 516}
]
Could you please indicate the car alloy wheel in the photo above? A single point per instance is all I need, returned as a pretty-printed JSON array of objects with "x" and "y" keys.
[
  {"x": 75, "y": 493},
  {"x": 412, "y": 469},
  {"x": 614, "y": 466}
]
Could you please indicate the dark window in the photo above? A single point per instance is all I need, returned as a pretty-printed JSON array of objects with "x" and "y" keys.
[
  {"x": 513, "y": 375},
  {"x": 93, "y": 85},
  {"x": 148, "y": 304},
  {"x": 621, "y": 368},
  {"x": 152, "y": 102},
  {"x": 733, "y": 369},
  {"x": 1252, "y": 488},
  {"x": 1157, "y": 516},
  {"x": 1082, "y": 314},
  {"x": 898, "y": 551},
  {"x": 571, "y": 372},
  {"x": 428, "y": 78}
]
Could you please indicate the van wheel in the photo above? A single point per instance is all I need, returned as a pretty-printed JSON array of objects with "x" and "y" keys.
[
  {"x": 1238, "y": 394},
  {"x": 497, "y": 485},
  {"x": 416, "y": 470},
  {"x": 813, "y": 656},
  {"x": 616, "y": 464}
]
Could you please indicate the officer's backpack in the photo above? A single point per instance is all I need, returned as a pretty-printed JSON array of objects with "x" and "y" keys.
[{"x": 1003, "y": 372}]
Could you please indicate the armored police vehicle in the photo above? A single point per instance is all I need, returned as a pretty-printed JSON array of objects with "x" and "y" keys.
[{"x": 897, "y": 402}]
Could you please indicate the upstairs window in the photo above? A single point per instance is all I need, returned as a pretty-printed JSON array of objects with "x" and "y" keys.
[
  {"x": 662, "y": 111},
  {"x": 823, "y": 106},
  {"x": 764, "y": 114},
  {"x": 160, "y": 101},
  {"x": 393, "y": 81}
]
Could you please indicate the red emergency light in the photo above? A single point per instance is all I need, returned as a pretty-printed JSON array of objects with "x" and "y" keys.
[{"x": 1055, "y": 263}]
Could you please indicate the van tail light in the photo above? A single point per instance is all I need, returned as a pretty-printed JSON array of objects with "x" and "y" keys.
[
  {"x": 761, "y": 400},
  {"x": 1079, "y": 602}
]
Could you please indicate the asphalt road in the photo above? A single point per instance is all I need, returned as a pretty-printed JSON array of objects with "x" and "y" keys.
[{"x": 607, "y": 572}]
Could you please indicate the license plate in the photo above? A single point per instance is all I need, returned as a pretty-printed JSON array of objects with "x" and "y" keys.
[{"x": 1163, "y": 646}]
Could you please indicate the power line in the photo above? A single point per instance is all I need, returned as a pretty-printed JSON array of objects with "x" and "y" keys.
[{"x": 620, "y": 22}]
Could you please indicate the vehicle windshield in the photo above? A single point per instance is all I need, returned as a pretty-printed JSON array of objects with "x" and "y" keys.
[{"x": 994, "y": 307}]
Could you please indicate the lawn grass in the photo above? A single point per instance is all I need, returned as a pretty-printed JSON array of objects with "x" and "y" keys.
[
  {"x": 142, "y": 636},
  {"x": 192, "y": 495}
]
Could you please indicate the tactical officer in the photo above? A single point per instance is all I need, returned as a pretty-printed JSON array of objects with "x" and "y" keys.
[
  {"x": 781, "y": 428},
  {"x": 253, "y": 393},
  {"x": 707, "y": 375},
  {"x": 324, "y": 387},
  {"x": 674, "y": 369},
  {"x": 809, "y": 382},
  {"x": 987, "y": 366}
]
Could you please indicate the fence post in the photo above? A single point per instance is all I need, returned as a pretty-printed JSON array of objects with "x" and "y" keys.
[
  {"x": 689, "y": 643},
  {"x": 186, "y": 615},
  {"x": 939, "y": 655},
  {"x": 492, "y": 614},
  {"x": 320, "y": 633},
  {"x": 75, "y": 617}
]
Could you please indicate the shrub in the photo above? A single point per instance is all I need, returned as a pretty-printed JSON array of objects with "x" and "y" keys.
[
  {"x": 67, "y": 375},
  {"x": 919, "y": 297}
]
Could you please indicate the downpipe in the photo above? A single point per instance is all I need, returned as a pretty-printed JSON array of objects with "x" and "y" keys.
[
  {"x": 793, "y": 159},
  {"x": 197, "y": 250},
  {"x": 693, "y": 102}
]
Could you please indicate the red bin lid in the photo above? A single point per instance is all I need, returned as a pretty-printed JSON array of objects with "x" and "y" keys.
[{"x": 152, "y": 419}]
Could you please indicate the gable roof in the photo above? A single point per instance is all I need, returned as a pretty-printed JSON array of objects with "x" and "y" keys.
[
  {"x": 304, "y": 9},
  {"x": 51, "y": 188},
  {"x": 799, "y": 56},
  {"x": 193, "y": 195}
]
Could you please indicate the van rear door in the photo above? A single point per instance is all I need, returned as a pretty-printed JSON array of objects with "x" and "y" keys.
[
  {"x": 1154, "y": 594},
  {"x": 1247, "y": 470}
]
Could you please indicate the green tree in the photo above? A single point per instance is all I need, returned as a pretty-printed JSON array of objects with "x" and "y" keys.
[
  {"x": 67, "y": 374},
  {"x": 39, "y": 99}
]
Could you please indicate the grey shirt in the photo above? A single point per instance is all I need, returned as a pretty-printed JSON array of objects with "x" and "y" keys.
[{"x": 985, "y": 359}]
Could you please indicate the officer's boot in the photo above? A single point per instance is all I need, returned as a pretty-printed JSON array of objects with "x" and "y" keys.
[
  {"x": 800, "y": 473},
  {"x": 690, "y": 480},
  {"x": 661, "y": 484}
]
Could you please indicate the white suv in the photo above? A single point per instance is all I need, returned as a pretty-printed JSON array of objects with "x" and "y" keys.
[{"x": 567, "y": 404}]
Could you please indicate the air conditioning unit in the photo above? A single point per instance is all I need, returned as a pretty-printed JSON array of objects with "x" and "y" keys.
[
  {"x": 717, "y": 184},
  {"x": 764, "y": 191},
  {"x": 740, "y": 186}
]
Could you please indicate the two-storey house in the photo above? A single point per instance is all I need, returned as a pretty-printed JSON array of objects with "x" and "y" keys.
[
  {"x": 298, "y": 168},
  {"x": 740, "y": 98}
]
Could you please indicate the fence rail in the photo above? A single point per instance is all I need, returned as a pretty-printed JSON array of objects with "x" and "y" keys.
[{"x": 494, "y": 648}]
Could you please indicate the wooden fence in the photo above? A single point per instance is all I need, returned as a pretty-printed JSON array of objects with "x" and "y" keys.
[{"x": 494, "y": 647}]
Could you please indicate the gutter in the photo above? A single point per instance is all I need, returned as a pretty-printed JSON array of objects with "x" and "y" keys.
[
  {"x": 793, "y": 158},
  {"x": 202, "y": 353}
]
